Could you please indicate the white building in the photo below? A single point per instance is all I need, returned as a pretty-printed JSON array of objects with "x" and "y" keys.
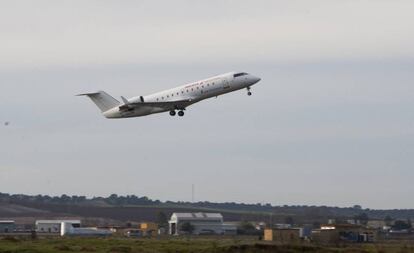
[
  {"x": 67, "y": 229},
  {"x": 7, "y": 226},
  {"x": 54, "y": 226},
  {"x": 376, "y": 224},
  {"x": 201, "y": 223}
]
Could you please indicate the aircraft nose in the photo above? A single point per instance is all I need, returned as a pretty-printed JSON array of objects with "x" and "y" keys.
[{"x": 255, "y": 79}]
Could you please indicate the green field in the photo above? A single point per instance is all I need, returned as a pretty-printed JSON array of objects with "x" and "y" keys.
[{"x": 246, "y": 245}]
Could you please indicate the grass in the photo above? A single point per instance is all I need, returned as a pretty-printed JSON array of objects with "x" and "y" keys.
[{"x": 185, "y": 245}]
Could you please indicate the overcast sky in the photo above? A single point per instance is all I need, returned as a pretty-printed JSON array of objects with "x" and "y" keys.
[{"x": 331, "y": 122}]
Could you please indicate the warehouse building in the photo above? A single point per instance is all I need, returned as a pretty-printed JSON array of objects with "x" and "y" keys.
[
  {"x": 288, "y": 234},
  {"x": 7, "y": 226},
  {"x": 334, "y": 233},
  {"x": 54, "y": 226},
  {"x": 199, "y": 224},
  {"x": 149, "y": 228},
  {"x": 284, "y": 235}
]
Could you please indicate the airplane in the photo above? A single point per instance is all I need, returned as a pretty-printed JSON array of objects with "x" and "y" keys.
[{"x": 172, "y": 100}]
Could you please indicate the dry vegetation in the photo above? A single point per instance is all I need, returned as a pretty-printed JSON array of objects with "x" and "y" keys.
[{"x": 244, "y": 245}]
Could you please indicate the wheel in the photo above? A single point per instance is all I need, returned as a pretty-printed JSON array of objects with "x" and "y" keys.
[
  {"x": 172, "y": 113},
  {"x": 180, "y": 113},
  {"x": 249, "y": 93}
]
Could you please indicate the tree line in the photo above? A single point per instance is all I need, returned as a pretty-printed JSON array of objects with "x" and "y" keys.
[{"x": 131, "y": 200}]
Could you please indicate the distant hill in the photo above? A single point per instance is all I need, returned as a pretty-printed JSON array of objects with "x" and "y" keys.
[{"x": 133, "y": 208}]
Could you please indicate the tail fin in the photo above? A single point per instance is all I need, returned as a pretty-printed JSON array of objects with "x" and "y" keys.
[{"x": 103, "y": 100}]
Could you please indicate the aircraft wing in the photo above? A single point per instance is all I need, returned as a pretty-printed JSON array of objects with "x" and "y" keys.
[{"x": 178, "y": 104}]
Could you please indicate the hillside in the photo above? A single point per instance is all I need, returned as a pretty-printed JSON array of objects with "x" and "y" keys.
[{"x": 133, "y": 208}]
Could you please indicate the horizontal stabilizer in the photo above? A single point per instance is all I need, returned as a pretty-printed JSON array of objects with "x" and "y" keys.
[{"x": 124, "y": 100}]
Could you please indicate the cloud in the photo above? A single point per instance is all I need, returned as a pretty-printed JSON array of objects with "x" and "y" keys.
[{"x": 104, "y": 32}]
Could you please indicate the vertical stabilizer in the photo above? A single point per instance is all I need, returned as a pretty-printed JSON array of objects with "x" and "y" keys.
[{"x": 103, "y": 100}]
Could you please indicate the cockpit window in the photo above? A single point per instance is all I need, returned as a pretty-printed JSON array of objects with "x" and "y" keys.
[{"x": 240, "y": 74}]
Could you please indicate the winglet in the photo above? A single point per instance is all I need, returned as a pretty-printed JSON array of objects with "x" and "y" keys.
[{"x": 124, "y": 100}]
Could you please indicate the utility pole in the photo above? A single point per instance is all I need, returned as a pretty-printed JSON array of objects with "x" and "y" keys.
[{"x": 192, "y": 193}]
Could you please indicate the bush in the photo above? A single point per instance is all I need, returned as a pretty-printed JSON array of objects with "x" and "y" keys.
[
  {"x": 63, "y": 247},
  {"x": 120, "y": 249}
]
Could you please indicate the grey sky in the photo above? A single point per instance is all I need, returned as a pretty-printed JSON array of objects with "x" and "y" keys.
[{"x": 330, "y": 123}]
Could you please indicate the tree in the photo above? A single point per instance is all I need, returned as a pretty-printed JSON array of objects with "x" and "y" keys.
[
  {"x": 363, "y": 218},
  {"x": 187, "y": 227},
  {"x": 113, "y": 199},
  {"x": 162, "y": 220},
  {"x": 388, "y": 220},
  {"x": 316, "y": 224},
  {"x": 245, "y": 225},
  {"x": 246, "y": 228},
  {"x": 289, "y": 220},
  {"x": 65, "y": 199},
  {"x": 400, "y": 225}
]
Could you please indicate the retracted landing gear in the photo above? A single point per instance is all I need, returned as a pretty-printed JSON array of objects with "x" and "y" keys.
[
  {"x": 249, "y": 93},
  {"x": 172, "y": 112}
]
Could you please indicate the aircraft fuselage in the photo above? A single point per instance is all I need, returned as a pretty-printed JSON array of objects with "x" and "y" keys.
[{"x": 180, "y": 97}]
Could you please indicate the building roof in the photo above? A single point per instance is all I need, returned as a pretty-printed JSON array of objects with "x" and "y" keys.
[
  {"x": 336, "y": 226},
  {"x": 6, "y": 221},
  {"x": 197, "y": 216},
  {"x": 56, "y": 221},
  {"x": 283, "y": 229}
]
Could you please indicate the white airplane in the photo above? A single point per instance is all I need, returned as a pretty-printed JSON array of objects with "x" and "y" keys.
[{"x": 178, "y": 98}]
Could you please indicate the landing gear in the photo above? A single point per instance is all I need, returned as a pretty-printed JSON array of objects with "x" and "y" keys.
[
  {"x": 249, "y": 93},
  {"x": 180, "y": 111}
]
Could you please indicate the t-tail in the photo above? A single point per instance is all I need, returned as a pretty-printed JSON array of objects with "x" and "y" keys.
[{"x": 103, "y": 100}]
